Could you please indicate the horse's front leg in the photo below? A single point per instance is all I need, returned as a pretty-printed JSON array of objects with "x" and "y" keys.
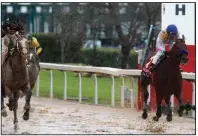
[
  {"x": 27, "y": 102},
  {"x": 169, "y": 115},
  {"x": 159, "y": 110},
  {"x": 181, "y": 105},
  {"x": 15, "y": 106},
  {"x": 27, "y": 105},
  {"x": 9, "y": 93},
  {"x": 3, "y": 108},
  {"x": 145, "y": 107}
]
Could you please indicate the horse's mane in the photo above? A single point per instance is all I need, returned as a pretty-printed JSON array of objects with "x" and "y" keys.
[{"x": 15, "y": 64}]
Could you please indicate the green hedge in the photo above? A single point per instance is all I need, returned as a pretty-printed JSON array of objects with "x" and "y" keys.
[{"x": 104, "y": 57}]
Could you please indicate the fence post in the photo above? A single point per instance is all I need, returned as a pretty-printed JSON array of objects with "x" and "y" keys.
[
  {"x": 122, "y": 104},
  {"x": 193, "y": 98},
  {"x": 79, "y": 88},
  {"x": 37, "y": 85},
  {"x": 96, "y": 88},
  {"x": 65, "y": 85},
  {"x": 132, "y": 92},
  {"x": 149, "y": 91},
  {"x": 172, "y": 101},
  {"x": 123, "y": 81},
  {"x": 113, "y": 92},
  {"x": 51, "y": 84}
]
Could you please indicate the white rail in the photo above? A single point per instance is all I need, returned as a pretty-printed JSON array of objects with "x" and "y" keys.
[{"x": 113, "y": 72}]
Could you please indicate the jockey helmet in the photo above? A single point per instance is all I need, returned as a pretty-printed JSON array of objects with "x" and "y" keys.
[
  {"x": 13, "y": 21},
  {"x": 172, "y": 30},
  {"x": 35, "y": 43}
]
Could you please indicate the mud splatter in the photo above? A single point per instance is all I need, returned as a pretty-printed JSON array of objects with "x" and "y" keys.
[{"x": 62, "y": 117}]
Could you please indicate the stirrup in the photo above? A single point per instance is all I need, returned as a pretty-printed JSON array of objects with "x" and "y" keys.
[
  {"x": 146, "y": 72},
  {"x": 152, "y": 67}
]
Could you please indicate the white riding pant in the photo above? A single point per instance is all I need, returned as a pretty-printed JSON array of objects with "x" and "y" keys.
[
  {"x": 5, "y": 43},
  {"x": 156, "y": 57}
]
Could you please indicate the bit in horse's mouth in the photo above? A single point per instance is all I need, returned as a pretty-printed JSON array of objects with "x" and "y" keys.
[{"x": 184, "y": 61}]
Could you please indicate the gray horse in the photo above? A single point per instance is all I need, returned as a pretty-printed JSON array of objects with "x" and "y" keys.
[{"x": 34, "y": 69}]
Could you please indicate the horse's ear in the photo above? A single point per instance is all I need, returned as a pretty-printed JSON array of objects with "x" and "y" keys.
[{"x": 183, "y": 38}]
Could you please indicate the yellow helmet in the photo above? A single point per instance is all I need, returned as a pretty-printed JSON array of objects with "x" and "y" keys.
[{"x": 35, "y": 43}]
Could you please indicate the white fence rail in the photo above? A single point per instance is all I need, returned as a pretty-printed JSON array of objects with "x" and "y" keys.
[{"x": 113, "y": 72}]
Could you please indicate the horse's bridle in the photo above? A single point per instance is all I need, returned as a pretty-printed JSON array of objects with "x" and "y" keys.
[
  {"x": 182, "y": 52},
  {"x": 23, "y": 47}
]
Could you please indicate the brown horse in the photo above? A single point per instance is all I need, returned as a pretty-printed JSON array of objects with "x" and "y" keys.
[
  {"x": 15, "y": 77},
  {"x": 34, "y": 69},
  {"x": 167, "y": 80}
]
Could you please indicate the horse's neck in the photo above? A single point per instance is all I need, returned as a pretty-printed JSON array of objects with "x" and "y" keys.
[
  {"x": 18, "y": 62},
  {"x": 173, "y": 58}
]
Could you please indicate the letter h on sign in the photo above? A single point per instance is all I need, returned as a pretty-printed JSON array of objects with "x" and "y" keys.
[{"x": 182, "y": 9}]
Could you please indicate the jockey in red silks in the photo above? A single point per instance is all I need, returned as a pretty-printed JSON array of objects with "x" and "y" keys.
[{"x": 167, "y": 36}]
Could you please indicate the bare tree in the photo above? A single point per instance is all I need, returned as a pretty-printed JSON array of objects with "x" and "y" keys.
[
  {"x": 105, "y": 17},
  {"x": 68, "y": 25},
  {"x": 142, "y": 15}
]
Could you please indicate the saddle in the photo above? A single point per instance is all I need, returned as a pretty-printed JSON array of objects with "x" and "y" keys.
[{"x": 146, "y": 68}]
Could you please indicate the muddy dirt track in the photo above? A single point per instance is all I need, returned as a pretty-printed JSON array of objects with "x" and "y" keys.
[{"x": 63, "y": 117}]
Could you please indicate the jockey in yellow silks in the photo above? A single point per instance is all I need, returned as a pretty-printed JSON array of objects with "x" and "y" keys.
[{"x": 34, "y": 44}]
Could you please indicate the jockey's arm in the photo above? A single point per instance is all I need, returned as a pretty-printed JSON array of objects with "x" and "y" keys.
[{"x": 160, "y": 44}]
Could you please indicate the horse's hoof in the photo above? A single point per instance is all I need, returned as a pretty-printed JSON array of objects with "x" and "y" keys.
[
  {"x": 10, "y": 107},
  {"x": 155, "y": 118},
  {"x": 4, "y": 112},
  {"x": 25, "y": 117},
  {"x": 193, "y": 107},
  {"x": 180, "y": 113},
  {"x": 169, "y": 118},
  {"x": 144, "y": 115},
  {"x": 16, "y": 126}
]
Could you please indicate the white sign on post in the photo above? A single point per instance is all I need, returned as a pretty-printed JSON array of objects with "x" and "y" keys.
[{"x": 183, "y": 16}]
